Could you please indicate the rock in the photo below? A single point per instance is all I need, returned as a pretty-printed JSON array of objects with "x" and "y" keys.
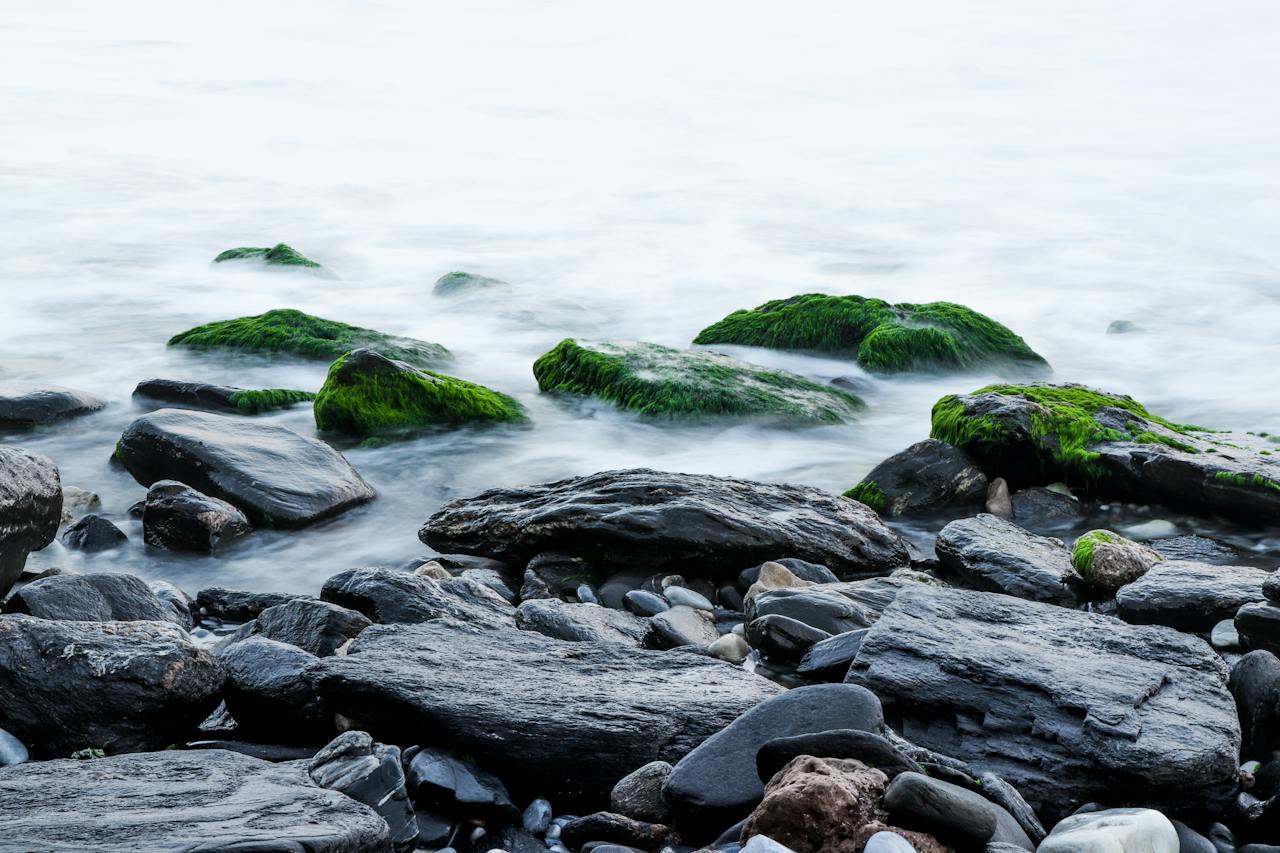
[
  {"x": 1224, "y": 637},
  {"x": 999, "y": 503},
  {"x": 1259, "y": 626},
  {"x": 277, "y": 477},
  {"x": 887, "y": 842},
  {"x": 1196, "y": 549},
  {"x": 177, "y": 604},
  {"x": 832, "y": 656},
  {"x": 319, "y": 627},
  {"x": 644, "y": 603},
  {"x": 465, "y": 283},
  {"x": 1255, "y": 685},
  {"x": 814, "y": 804},
  {"x": 277, "y": 255},
  {"x": 390, "y": 596},
  {"x": 369, "y": 773},
  {"x": 730, "y": 647},
  {"x": 928, "y": 477},
  {"x": 681, "y": 626},
  {"x": 1190, "y": 841},
  {"x": 871, "y": 749},
  {"x": 1107, "y": 561},
  {"x": 716, "y": 783},
  {"x": 783, "y": 637},
  {"x": 950, "y": 813},
  {"x": 219, "y": 398},
  {"x": 820, "y": 607},
  {"x": 638, "y": 795},
  {"x": 618, "y": 517},
  {"x": 1015, "y": 687},
  {"x": 1039, "y": 508},
  {"x": 30, "y": 509},
  {"x": 1010, "y": 800},
  {"x": 881, "y": 337},
  {"x": 236, "y": 605},
  {"x": 667, "y": 383},
  {"x": 615, "y": 829},
  {"x": 1271, "y": 587},
  {"x": 213, "y": 799},
  {"x": 773, "y": 575},
  {"x": 98, "y": 597},
  {"x": 24, "y": 408},
  {"x": 367, "y": 393},
  {"x": 537, "y": 817},
  {"x": 267, "y": 694},
  {"x": 1189, "y": 596},
  {"x": 442, "y": 783},
  {"x": 116, "y": 686},
  {"x": 1113, "y": 831},
  {"x": 1113, "y": 444},
  {"x": 1122, "y": 327},
  {"x": 176, "y": 517},
  {"x": 802, "y": 569},
  {"x": 998, "y": 556},
  {"x": 12, "y": 750},
  {"x": 1156, "y": 528},
  {"x": 679, "y": 595},
  {"x": 93, "y": 533},
  {"x": 580, "y": 622},
  {"x": 528, "y": 707},
  {"x": 764, "y": 844},
  {"x": 77, "y": 502}
]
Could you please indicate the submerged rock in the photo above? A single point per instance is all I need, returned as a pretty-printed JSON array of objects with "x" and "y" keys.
[
  {"x": 30, "y": 509},
  {"x": 24, "y": 408},
  {"x": 880, "y": 336},
  {"x": 291, "y": 332},
  {"x": 93, "y": 533},
  {"x": 367, "y": 393},
  {"x": 928, "y": 476},
  {"x": 220, "y": 398},
  {"x": 619, "y": 518},
  {"x": 277, "y": 255},
  {"x": 999, "y": 556},
  {"x": 176, "y": 517},
  {"x": 669, "y": 383},
  {"x": 277, "y": 477},
  {"x": 463, "y": 283}
]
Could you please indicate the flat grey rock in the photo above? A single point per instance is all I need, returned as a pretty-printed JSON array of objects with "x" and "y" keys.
[
  {"x": 580, "y": 622},
  {"x": 1189, "y": 596},
  {"x": 995, "y": 555},
  {"x": 23, "y": 408}
]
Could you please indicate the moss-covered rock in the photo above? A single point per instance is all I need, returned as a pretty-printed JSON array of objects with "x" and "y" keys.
[
  {"x": 882, "y": 337},
  {"x": 1107, "y": 561},
  {"x": 277, "y": 255},
  {"x": 663, "y": 382},
  {"x": 459, "y": 283},
  {"x": 285, "y": 330},
  {"x": 220, "y": 398},
  {"x": 367, "y": 393}
]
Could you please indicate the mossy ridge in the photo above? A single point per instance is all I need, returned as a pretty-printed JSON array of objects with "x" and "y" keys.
[
  {"x": 869, "y": 493},
  {"x": 278, "y": 255},
  {"x": 881, "y": 337},
  {"x": 1082, "y": 553},
  {"x": 286, "y": 330},
  {"x": 366, "y": 394},
  {"x": 1245, "y": 481},
  {"x": 251, "y": 402},
  {"x": 662, "y": 382}
]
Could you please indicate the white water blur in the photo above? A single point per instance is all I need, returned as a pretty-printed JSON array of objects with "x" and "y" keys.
[{"x": 636, "y": 172}]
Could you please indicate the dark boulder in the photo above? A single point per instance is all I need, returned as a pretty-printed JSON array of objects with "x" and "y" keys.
[
  {"x": 219, "y": 398},
  {"x": 615, "y": 829},
  {"x": 23, "y": 408},
  {"x": 442, "y": 783},
  {"x": 928, "y": 477},
  {"x": 616, "y": 518},
  {"x": 1255, "y": 685},
  {"x": 951, "y": 813},
  {"x": 821, "y": 607},
  {"x": 267, "y": 694},
  {"x": 1189, "y": 596},
  {"x": 93, "y": 533},
  {"x": 30, "y": 508},
  {"x": 1042, "y": 508},
  {"x": 995, "y": 555},
  {"x": 782, "y": 637},
  {"x": 369, "y": 773},
  {"x": 99, "y": 597},
  {"x": 179, "y": 607},
  {"x": 233, "y": 605},
  {"x": 319, "y": 627},
  {"x": 1259, "y": 625},
  {"x": 179, "y": 518},
  {"x": 638, "y": 795},
  {"x": 580, "y": 622},
  {"x": 1196, "y": 549},
  {"x": 277, "y": 477},
  {"x": 831, "y": 657},
  {"x": 392, "y": 596}
]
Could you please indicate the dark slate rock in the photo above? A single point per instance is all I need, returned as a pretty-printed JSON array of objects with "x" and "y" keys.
[
  {"x": 638, "y": 795},
  {"x": 530, "y": 708},
  {"x": 820, "y": 607},
  {"x": 928, "y": 477},
  {"x": 1255, "y": 684},
  {"x": 513, "y": 839},
  {"x": 1197, "y": 549},
  {"x": 393, "y": 596},
  {"x": 1000, "y": 792},
  {"x": 644, "y": 603},
  {"x": 267, "y": 694},
  {"x": 832, "y": 656},
  {"x": 716, "y": 783},
  {"x": 211, "y": 800},
  {"x": 998, "y": 556},
  {"x": 681, "y": 626},
  {"x": 783, "y": 637},
  {"x": 30, "y": 509},
  {"x": 1067, "y": 706},
  {"x": 614, "y": 829},
  {"x": 116, "y": 686},
  {"x": 273, "y": 752},
  {"x": 1190, "y": 841},
  {"x": 178, "y": 605},
  {"x": 951, "y": 813},
  {"x": 496, "y": 581},
  {"x": 99, "y": 597},
  {"x": 1259, "y": 626},
  {"x": 176, "y": 517},
  {"x": 233, "y": 605},
  {"x": 870, "y": 748},
  {"x": 93, "y": 533},
  {"x": 23, "y": 408},
  {"x": 1271, "y": 588},
  {"x": 209, "y": 397},
  {"x": 580, "y": 622},
  {"x": 277, "y": 477},
  {"x": 802, "y": 569},
  {"x": 440, "y": 782},
  {"x": 369, "y": 773},
  {"x": 434, "y": 831},
  {"x": 319, "y": 627},
  {"x": 1189, "y": 596},
  {"x": 619, "y": 518},
  {"x": 1042, "y": 508}
]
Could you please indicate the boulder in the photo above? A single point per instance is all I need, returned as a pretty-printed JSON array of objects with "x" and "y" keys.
[
  {"x": 233, "y": 605},
  {"x": 76, "y": 502},
  {"x": 561, "y": 719},
  {"x": 24, "y": 408},
  {"x": 98, "y": 597},
  {"x": 1195, "y": 549},
  {"x": 391, "y": 596},
  {"x": 219, "y": 398},
  {"x": 821, "y": 607},
  {"x": 1042, "y": 508},
  {"x": 930, "y": 476},
  {"x": 580, "y": 622},
  {"x": 1067, "y": 706},
  {"x": 114, "y": 686},
  {"x": 176, "y": 517},
  {"x": 814, "y": 805},
  {"x": 210, "y": 800},
  {"x": 369, "y": 773},
  {"x": 319, "y": 627},
  {"x": 638, "y": 795},
  {"x": 1189, "y": 596},
  {"x": 1113, "y": 831},
  {"x": 617, "y": 518},
  {"x": 996, "y": 555},
  {"x": 781, "y": 637},
  {"x": 832, "y": 656},
  {"x": 1107, "y": 561},
  {"x": 277, "y": 477},
  {"x": 267, "y": 694},
  {"x": 1255, "y": 685},
  {"x": 1258, "y": 625},
  {"x": 279, "y": 255},
  {"x": 30, "y": 508},
  {"x": 93, "y": 533},
  {"x": 951, "y": 813},
  {"x": 443, "y": 783}
]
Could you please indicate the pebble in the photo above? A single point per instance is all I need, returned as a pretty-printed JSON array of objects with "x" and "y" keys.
[
  {"x": 553, "y": 832},
  {"x": 12, "y": 751},
  {"x": 764, "y": 844},
  {"x": 537, "y": 817},
  {"x": 586, "y": 595},
  {"x": 888, "y": 842},
  {"x": 1224, "y": 636},
  {"x": 683, "y": 595},
  {"x": 731, "y": 647},
  {"x": 644, "y": 603}
]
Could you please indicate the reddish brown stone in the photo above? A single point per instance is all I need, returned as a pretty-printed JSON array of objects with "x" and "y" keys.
[{"x": 818, "y": 805}]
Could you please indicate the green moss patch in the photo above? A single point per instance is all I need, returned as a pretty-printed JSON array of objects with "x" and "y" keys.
[
  {"x": 1082, "y": 553},
  {"x": 459, "y": 283},
  {"x": 285, "y": 330},
  {"x": 366, "y": 393},
  {"x": 662, "y": 382},
  {"x": 267, "y": 399},
  {"x": 881, "y": 337},
  {"x": 277, "y": 255},
  {"x": 869, "y": 493}
]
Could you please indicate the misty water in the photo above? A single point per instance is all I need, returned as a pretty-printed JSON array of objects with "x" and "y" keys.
[{"x": 633, "y": 176}]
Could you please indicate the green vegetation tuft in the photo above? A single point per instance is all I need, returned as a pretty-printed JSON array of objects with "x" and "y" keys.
[
  {"x": 366, "y": 393},
  {"x": 252, "y": 402},
  {"x": 869, "y": 493},
  {"x": 286, "y": 330},
  {"x": 278, "y": 255},
  {"x": 882, "y": 337},
  {"x": 662, "y": 382},
  {"x": 1244, "y": 481},
  {"x": 1082, "y": 553},
  {"x": 88, "y": 753}
]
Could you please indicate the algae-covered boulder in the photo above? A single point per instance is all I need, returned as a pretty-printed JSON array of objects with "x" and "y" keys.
[
  {"x": 459, "y": 283},
  {"x": 285, "y": 330},
  {"x": 882, "y": 337},
  {"x": 1107, "y": 561},
  {"x": 367, "y": 393},
  {"x": 1109, "y": 444},
  {"x": 220, "y": 398},
  {"x": 663, "y": 382},
  {"x": 277, "y": 255}
]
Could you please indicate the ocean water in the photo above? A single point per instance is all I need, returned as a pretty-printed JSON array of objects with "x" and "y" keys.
[{"x": 635, "y": 173}]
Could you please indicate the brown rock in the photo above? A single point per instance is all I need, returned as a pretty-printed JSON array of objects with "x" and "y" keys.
[
  {"x": 923, "y": 842},
  {"x": 817, "y": 805},
  {"x": 773, "y": 576}
]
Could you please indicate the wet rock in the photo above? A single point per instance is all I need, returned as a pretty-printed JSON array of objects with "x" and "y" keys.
[
  {"x": 822, "y": 607},
  {"x": 393, "y": 596},
  {"x": 950, "y": 813},
  {"x": 730, "y": 647},
  {"x": 1122, "y": 327},
  {"x": 116, "y": 686},
  {"x": 927, "y": 477},
  {"x": 1189, "y": 596},
  {"x": 1107, "y": 561},
  {"x": 888, "y": 842},
  {"x": 998, "y": 556},
  {"x": 369, "y": 773},
  {"x": 681, "y": 626},
  {"x": 1010, "y": 799},
  {"x": 528, "y": 707},
  {"x": 644, "y": 603},
  {"x": 465, "y": 283},
  {"x": 580, "y": 622},
  {"x": 219, "y": 398},
  {"x": 30, "y": 509},
  {"x": 1040, "y": 508},
  {"x": 319, "y": 627},
  {"x": 1015, "y": 687},
  {"x": 177, "y": 604},
  {"x": 783, "y": 637},
  {"x": 267, "y": 694},
  {"x": 442, "y": 783},
  {"x": 638, "y": 795},
  {"x": 233, "y": 605},
  {"x": 1255, "y": 685},
  {"x": 537, "y": 816},
  {"x": 24, "y": 408},
  {"x": 802, "y": 569},
  {"x": 171, "y": 800},
  {"x": 99, "y": 597},
  {"x": 1271, "y": 588},
  {"x": 815, "y": 804},
  {"x": 614, "y": 829},
  {"x": 1190, "y": 841},
  {"x": 77, "y": 502},
  {"x": 1119, "y": 830},
  {"x": 679, "y": 595},
  {"x": 277, "y": 477},
  {"x": 1259, "y": 626},
  {"x": 618, "y": 518},
  {"x": 832, "y": 656},
  {"x": 1224, "y": 637},
  {"x": 93, "y": 533},
  {"x": 12, "y": 750},
  {"x": 1196, "y": 549},
  {"x": 869, "y": 748},
  {"x": 176, "y": 517},
  {"x": 772, "y": 575}
]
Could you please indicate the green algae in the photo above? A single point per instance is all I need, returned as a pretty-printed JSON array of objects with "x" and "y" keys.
[
  {"x": 277, "y": 255},
  {"x": 252, "y": 402},
  {"x": 869, "y": 493},
  {"x": 1244, "y": 481},
  {"x": 662, "y": 382}
]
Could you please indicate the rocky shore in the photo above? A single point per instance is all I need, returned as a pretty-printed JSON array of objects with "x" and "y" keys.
[{"x": 642, "y": 661}]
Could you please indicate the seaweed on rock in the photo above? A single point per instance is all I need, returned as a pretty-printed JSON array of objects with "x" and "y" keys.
[{"x": 277, "y": 255}]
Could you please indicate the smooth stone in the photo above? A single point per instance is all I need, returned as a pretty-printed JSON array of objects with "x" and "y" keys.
[
  {"x": 802, "y": 569},
  {"x": 267, "y": 694},
  {"x": 1190, "y": 841},
  {"x": 888, "y": 842},
  {"x": 832, "y": 656},
  {"x": 537, "y": 816},
  {"x": 821, "y": 607},
  {"x": 764, "y": 844},
  {"x": 98, "y": 597},
  {"x": 1224, "y": 637},
  {"x": 870, "y": 748},
  {"x": 681, "y": 626},
  {"x": 1156, "y": 528},
  {"x": 393, "y": 596},
  {"x": 1255, "y": 686},
  {"x": 995, "y": 555},
  {"x": 176, "y": 517},
  {"x": 12, "y": 750},
  {"x": 1191, "y": 597},
  {"x": 942, "y": 809},
  {"x": 177, "y": 603},
  {"x": 580, "y": 622},
  {"x": 586, "y": 595},
  {"x": 644, "y": 603},
  {"x": 369, "y": 773},
  {"x": 319, "y": 627},
  {"x": 783, "y": 637},
  {"x": 772, "y": 575},
  {"x": 730, "y": 647},
  {"x": 680, "y": 595},
  {"x": 30, "y": 509},
  {"x": 999, "y": 503},
  {"x": 24, "y": 408},
  {"x": 638, "y": 795},
  {"x": 93, "y": 533},
  {"x": 1113, "y": 831},
  {"x": 1259, "y": 626}
]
